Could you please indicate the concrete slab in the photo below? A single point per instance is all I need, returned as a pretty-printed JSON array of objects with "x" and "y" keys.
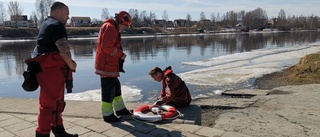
[
  {"x": 246, "y": 92},
  {"x": 225, "y": 103}
]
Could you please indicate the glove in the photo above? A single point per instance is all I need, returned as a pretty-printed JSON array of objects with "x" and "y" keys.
[
  {"x": 158, "y": 102},
  {"x": 121, "y": 62},
  {"x": 69, "y": 86}
]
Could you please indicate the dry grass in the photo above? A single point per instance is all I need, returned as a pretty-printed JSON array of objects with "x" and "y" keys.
[{"x": 307, "y": 71}]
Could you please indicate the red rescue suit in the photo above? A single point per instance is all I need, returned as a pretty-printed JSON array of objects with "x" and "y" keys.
[
  {"x": 174, "y": 90},
  {"x": 52, "y": 79}
]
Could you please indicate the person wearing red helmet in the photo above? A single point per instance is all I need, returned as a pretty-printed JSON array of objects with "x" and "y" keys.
[
  {"x": 124, "y": 18},
  {"x": 108, "y": 65}
]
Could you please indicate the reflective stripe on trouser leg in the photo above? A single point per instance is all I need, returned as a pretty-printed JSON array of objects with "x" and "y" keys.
[
  {"x": 107, "y": 95},
  {"x": 118, "y": 103},
  {"x": 106, "y": 108}
]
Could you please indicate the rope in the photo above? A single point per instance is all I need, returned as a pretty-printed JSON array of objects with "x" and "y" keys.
[{"x": 178, "y": 115}]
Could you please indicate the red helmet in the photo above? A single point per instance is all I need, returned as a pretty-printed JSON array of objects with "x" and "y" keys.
[{"x": 124, "y": 18}]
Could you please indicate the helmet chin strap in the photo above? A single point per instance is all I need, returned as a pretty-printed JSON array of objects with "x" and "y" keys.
[{"x": 117, "y": 17}]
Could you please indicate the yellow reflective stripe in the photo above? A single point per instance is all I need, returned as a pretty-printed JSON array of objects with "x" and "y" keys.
[
  {"x": 106, "y": 108},
  {"x": 118, "y": 103}
]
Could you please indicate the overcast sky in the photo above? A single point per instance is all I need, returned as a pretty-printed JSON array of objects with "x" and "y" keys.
[{"x": 178, "y": 9}]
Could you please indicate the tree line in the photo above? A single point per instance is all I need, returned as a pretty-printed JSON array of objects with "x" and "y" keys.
[
  {"x": 42, "y": 9},
  {"x": 255, "y": 19}
]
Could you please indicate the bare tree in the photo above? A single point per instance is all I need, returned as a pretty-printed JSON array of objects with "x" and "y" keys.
[
  {"x": 34, "y": 18},
  {"x": 218, "y": 17},
  {"x": 241, "y": 15},
  {"x": 105, "y": 14},
  {"x": 256, "y": 19},
  {"x": 165, "y": 15},
  {"x": 134, "y": 13},
  {"x": 43, "y": 9},
  {"x": 202, "y": 16},
  {"x": 282, "y": 15},
  {"x": 213, "y": 17},
  {"x": 143, "y": 16},
  {"x": 147, "y": 19},
  {"x": 231, "y": 19},
  {"x": 152, "y": 17},
  {"x": 15, "y": 11},
  {"x": 188, "y": 18},
  {"x": 3, "y": 14}
]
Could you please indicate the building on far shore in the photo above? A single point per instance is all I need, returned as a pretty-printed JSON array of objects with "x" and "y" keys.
[
  {"x": 18, "y": 21},
  {"x": 80, "y": 22}
]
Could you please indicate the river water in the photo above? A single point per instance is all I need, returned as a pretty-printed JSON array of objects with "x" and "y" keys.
[{"x": 143, "y": 53}]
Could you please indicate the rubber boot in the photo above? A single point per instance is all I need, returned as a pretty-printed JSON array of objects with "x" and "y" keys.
[
  {"x": 124, "y": 111},
  {"x": 59, "y": 131},
  {"x": 42, "y": 135},
  {"x": 112, "y": 118}
]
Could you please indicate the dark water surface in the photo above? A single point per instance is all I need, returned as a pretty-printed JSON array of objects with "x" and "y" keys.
[{"x": 143, "y": 53}]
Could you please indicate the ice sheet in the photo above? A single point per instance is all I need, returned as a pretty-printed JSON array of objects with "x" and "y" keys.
[{"x": 240, "y": 67}]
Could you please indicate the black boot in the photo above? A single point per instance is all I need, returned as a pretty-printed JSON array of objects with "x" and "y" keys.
[
  {"x": 124, "y": 111},
  {"x": 42, "y": 135},
  {"x": 112, "y": 118},
  {"x": 59, "y": 131}
]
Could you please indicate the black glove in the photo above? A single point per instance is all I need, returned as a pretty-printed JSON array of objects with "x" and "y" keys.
[
  {"x": 121, "y": 62},
  {"x": 159, "y": 102},
  {"x": 69, "y": 86}
]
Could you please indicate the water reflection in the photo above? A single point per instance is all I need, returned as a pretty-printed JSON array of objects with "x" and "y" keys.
[
  {"x": 13, "y": 54},
  {"x": 144, "y": 53}
]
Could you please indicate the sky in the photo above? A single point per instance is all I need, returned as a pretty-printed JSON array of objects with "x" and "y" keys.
[{"x": 178, "y": 9}]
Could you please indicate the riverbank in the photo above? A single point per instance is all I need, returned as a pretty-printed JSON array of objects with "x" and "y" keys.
[
  {"x": 7, "y": 32},
  {"x": 285, "y": 105},
  {"x": 25, "y": 32},
  {"x": 288, "y": 111},
  {"x": 307, "y": 71}
]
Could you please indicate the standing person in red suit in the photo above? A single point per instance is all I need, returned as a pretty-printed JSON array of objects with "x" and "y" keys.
[
  {"x": 174, "y": 91},
  {"x": 56, "y": 64},
  {"x": 109, "y": 62}
]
